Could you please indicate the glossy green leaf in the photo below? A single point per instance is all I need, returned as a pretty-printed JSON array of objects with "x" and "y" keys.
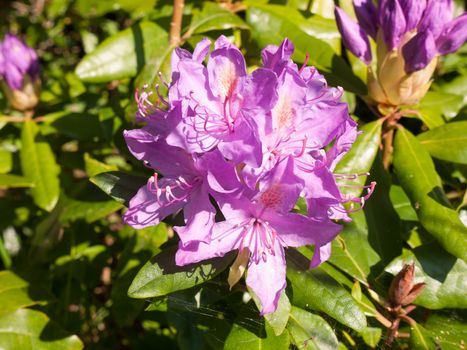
[
  {"x": 272, "y": 23},
  {"x": 213, "y": 17},
  {"x": 352, "y": 252},
  {"x": 123, "y": 54},
  {"x": 447, "y": 330},
  {"x": 27, "y": 329},
  {"x": 310, "y": 331},
  {"x": 314, "y": 289},
  {"x": 443, "y": 274},
  {"x": 120, "y": 186},
  {"x": 361, "y": 156},
  {"x": 101, "y": 7},
  {"x": 161, "y": 276},
  {"x": 437, "y": 105},
  {"x": 447, "y": 142},
  {"x": 417, "y": 176},
  {"x": 240, "y": 338},
  {"x": 277, "y": 319},
  {"x": 401, "y": 204},
  {"x": 10, "y": 180},
  {"x": 39, "y": 166}
]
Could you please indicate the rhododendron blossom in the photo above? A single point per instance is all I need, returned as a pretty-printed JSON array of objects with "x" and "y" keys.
[{"x": 251, "y": 144}]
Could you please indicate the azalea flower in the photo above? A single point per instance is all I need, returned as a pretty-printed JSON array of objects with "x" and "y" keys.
[
  {"x": 410, "y": 35},
  {"x": 19, "y": 68},
  {"x": 250, "y": 145}
]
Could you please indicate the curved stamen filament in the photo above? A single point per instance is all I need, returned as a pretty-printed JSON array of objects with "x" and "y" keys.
[{"x": 165, "y": 195}]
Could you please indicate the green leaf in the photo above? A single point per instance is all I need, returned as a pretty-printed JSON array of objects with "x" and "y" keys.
[
  {"x": 447, "y": 142},
  {"x": 352, "y": 252},
  {"x": 277, "y": 319},
  {"x": 89, "y": 211},
  {"x": 30, "y": 329},
  {"x": 101, "y": 7},
  {"x": 122, "y": 55},
  {"x": 39, "y": 166},
  {"x": 310, "y": 331},
  {"x": 161, "y": 276},
  {"x": 272, "y": 23},
  {"x": 12, "y": 181},
  {"x": 420, "y": 338},
  {"x": 417, "y": 176},
  {"x": 443, "y": 274},
  {"x": 240, "y": 338},
  {"x": 447, "y": 330},
  {"x": 94, "y": 167},
  {"x": 213, "y": 17},
  {"x": 315, "y": 290},
  {"x": 361, "y": 156},
  {"x": 6, "y": 161},
  {"x": 371, "y": 336},
  {"x": 120, "y": 186},
  {"x": 13, "y": 293},
  {"x": 401, "y": 204},
  {"x": 435, "y": 105}
]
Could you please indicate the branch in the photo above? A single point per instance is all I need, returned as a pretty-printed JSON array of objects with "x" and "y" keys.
[{"x": 176, "y": 24}]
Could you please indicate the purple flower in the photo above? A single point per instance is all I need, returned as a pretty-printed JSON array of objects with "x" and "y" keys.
[
  {"x": 260, "y": 222},
  {"x": 409, "y": 35},
  {"x": 17, "y": 60},
  {"x": 253, "y": 144}
]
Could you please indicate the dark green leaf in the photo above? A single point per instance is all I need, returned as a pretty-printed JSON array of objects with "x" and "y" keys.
[
  {"x": 447, "y": 142},
  {"x": 94, "y": 167},
  {"x": 89, "y": 211},
  {"x": 401, "y": 204},
  {"x": 123, "y": 54},
  {"x": 314, "y": 289},
  {"x": 120, "y": 186},
  {"x": 39, "y": 166},
  {"x": 417, "y": 176},
  {"x": 30, "y": 329},
  {"x": 443, "y": 274},
  {"x": 161, "y": 276},
  {"x": 272, "y": 23},
  {"x": 13, "y": 293},
  {"x": 310, "y": 331}
]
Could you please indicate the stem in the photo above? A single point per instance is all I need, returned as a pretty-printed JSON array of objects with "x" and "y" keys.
[
  {"x": 176, "y": 23},
  {"x": 392, "y": 333},
  {"x": 388, "y": 137}
]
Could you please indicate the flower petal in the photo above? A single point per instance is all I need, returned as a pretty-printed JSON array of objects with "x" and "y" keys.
[
  {"x": 199, "y": 216},
  {"x": 437, "y": 14},
  {"x": 392, "y": 22},
  {"x": 453, "y": 35},
  {"x": 413, "y": 11},
  {"x": 367, "y": 16},
  {"x": 267, "y": 279},
  {"x": 353, "y": 36},
  {"x": 225, "y": 237},
  {"x": 419, "y": 51},
  {"x": 145, "y": 210},
  {"x": 322, "y": 253},
  {"x": 277, "y": 58}
]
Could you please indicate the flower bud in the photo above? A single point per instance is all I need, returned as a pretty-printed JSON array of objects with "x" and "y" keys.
[
  {"x": 402, "y": 291},
  {"x": 19, "y": 68},
  {"x": 391, "y": 84}
]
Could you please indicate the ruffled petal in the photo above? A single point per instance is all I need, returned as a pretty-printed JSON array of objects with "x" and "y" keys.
[
  {"x": 225, "y": 237},
  {"x": 267, "y": 279}
]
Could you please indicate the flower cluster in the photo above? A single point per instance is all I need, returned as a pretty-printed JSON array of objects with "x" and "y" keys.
[
  {"x": 249, "y": 144},
  {"x": 409, "y": 35},
  {"x": 19, "y": 68}
]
